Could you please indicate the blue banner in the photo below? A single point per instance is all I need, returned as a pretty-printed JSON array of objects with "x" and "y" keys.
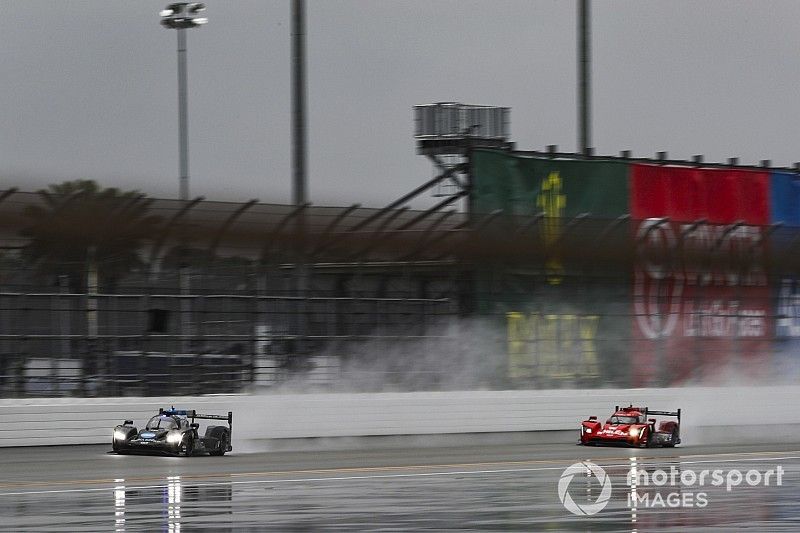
[{"x": 785, "y": 198}]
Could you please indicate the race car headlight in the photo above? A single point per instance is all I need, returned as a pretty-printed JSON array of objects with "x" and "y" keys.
[
  {"x": 119, "y": 435},
  {"x": 633, "y": 432},
  {"x": 588, "y": 430},
  {"x": 174, "y": 437}
]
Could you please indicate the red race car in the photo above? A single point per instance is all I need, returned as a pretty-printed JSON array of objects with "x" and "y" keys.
[{"x": 630, "y": 426}]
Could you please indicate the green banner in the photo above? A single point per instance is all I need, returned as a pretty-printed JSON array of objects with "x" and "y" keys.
[
  {"x": 558, "y": 331},
  {"x": 524, "y": 185}
]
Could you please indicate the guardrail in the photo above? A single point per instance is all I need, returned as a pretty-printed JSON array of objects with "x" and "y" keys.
[{"x": 35, "y": 422}]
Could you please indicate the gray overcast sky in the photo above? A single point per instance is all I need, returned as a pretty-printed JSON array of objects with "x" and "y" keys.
[{"x": 89, "y": 87}]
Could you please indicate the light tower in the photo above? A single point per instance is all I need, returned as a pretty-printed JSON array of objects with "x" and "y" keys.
[
  {"x": 447, "y": 132},
  {"x": 181, "y": 16}
]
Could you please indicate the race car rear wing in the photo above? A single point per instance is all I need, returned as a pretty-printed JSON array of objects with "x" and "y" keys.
[
  {"x": 648, "y": 411},
  {"x": 191, "y": 413},
  {"x": 665, "y": 413}
]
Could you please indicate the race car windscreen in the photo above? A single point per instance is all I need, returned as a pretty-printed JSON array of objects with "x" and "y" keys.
[
  {"x": 623, "y": 420},
  {"x": 161, "y": 422}
]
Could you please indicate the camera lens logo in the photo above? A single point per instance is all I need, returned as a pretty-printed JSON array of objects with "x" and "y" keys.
[{"x": 582, "y": 468}]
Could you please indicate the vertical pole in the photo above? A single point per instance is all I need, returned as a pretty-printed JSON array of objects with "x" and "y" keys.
[
  {"x": 91, "y": 290},
  {"x": 584, "y": 77},
  {"x": 91, "y": 320},
  {"x": 299, "y": 132},
  {"x": 63, "y": 326},
  {"x": 183, "y": 133},
  {"x": 183, "y": 117},
  {"x": 299, "y": 102},
  {"x": 299, "y": 137},
  {"x": 185, "y": 302}
]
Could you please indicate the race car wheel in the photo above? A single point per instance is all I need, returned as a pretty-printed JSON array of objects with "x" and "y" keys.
[
  {"x": 649, "y": 441},
  {"x": 221, "y": 434},
  {"x": 115, "y": 444},
  {"x": 186, "y": 447},
  {"x": 673, "y": 440}
]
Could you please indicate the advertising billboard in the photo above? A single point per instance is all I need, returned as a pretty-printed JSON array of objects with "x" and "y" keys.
[
  {"x": 785, "y": 210},
  {"x": 699, "y": 306},
  {"x": 556, "y": 335},
  {"x": 701, "y": 299}
]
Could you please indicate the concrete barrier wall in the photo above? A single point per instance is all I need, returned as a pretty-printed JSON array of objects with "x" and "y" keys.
[{"x": 33, "y": 422}]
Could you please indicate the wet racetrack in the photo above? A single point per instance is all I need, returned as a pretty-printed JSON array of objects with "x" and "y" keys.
[{"x": 478, "y": 488}]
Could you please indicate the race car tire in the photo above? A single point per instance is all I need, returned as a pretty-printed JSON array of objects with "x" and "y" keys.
[
  {"x": 649, "y": 442},
  {"x": 221, "y": 434},
  {"x": 115, "y": 444},
  {"x": 186, "y": 447},
  {"x": 673, "y": 440}
]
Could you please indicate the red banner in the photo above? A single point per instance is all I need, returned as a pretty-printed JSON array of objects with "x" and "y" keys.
[
  {"x": 684, "y": 194},
  {"x": 701, "y": 300}
]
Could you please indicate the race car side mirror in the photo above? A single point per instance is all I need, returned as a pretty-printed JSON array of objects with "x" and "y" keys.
[
  {"x": 651, "y": 420},
  {"x": 128, "y": 423},
  {"x": 592, "y": 418},
  {"x": 194, "y": 425}
]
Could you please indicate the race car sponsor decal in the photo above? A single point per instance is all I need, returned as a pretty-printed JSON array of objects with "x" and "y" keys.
[{"x": 617, "y": 432}]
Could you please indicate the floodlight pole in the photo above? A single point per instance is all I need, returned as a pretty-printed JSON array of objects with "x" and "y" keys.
[
  {"x": 299, "y": 138},
  {"x": 299, "y": 157},
  {"x": 180, "y": 16},
  {"x": 299, "y": 134},
  {"x": 183, "y": 117},
  {"x": 584, "y": 77},
  {"x": 184, "y": 280}
]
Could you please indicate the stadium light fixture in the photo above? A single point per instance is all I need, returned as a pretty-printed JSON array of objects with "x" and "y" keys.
[{"x": 181, "y": 16}]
